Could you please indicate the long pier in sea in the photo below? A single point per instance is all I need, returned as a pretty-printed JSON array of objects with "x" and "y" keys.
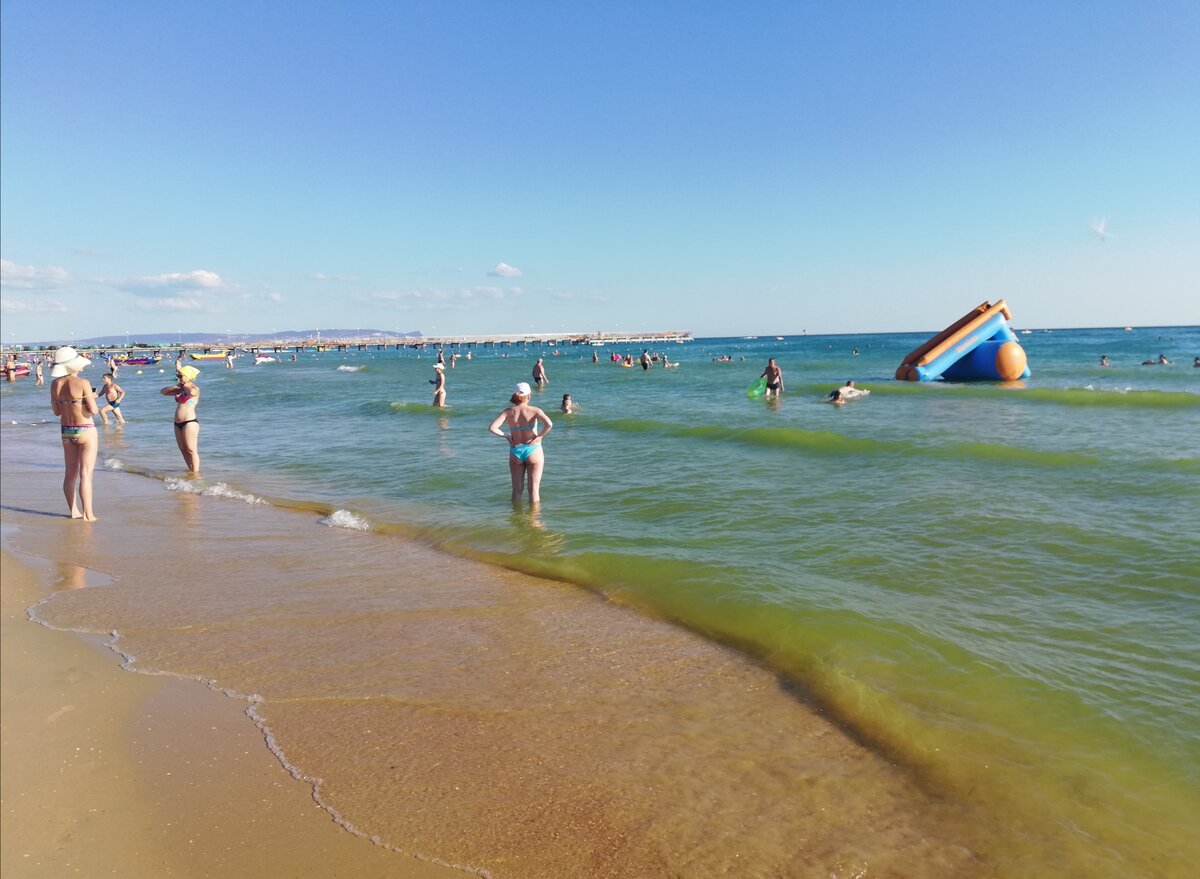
[
  {"x": 381, "y": 342},
  {"x": 511, "y": 340}
]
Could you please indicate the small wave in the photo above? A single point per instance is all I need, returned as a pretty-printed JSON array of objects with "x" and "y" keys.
[
  {"x": 423, "y": 408},
  {"x": 1088, "y": 395},
  {"x": 216, "y": 489},
  {"x": 831, "y": 443},
  {"x": 345, "y": 368},
  {"x": 114, "y": 464},
  {"x": 346, "y": 519}
]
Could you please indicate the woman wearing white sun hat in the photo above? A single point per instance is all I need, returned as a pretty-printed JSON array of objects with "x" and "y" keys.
[
  {"x": 74, "y": 402},
  {"x": 525, "y": 457}
]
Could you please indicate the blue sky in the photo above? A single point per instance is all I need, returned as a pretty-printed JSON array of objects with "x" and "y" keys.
[{"x": 475, "y": 168}]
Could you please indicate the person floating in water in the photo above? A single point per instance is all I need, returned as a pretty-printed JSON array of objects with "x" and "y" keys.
[
  {"x": 836, "y": 398},
  {"x": 849, "y": 392},
  {"x": 774, "y": 376},
  {"x": 1104, "y": 360},
  {"x": 568, "y": 405},
  {"x": 1162, "y": 359}
]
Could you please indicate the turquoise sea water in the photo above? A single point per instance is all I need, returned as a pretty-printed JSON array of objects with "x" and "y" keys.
[{"x": 998, "y": 585}]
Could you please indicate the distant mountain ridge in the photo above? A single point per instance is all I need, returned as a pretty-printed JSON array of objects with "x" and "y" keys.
[{"x": 173, "y": 339}]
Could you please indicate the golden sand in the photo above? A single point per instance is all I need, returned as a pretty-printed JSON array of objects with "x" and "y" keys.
[{"x": 103, "y": 774}]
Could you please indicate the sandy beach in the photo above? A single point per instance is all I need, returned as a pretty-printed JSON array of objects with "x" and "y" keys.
[
  {"x": 481, "y": 753},
  {"x": 105, "y": 772}
]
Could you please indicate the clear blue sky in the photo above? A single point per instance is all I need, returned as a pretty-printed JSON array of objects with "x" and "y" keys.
[{"x": 501, "y": 167}]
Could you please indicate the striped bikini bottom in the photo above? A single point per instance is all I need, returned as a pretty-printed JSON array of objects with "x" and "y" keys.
[{"x": 75, "y": 433}]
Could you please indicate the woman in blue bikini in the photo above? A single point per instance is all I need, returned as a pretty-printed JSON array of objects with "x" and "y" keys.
[
  {"x": 526, "y": 460},
  {"x": 74, "y": 402},
  {"x": 187, "y": 428}
]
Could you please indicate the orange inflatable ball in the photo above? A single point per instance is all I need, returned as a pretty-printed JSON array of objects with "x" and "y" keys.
[{"x": 1010, "y": 361}]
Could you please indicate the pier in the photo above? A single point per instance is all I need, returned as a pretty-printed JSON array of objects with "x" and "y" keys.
[
  {"x": 515, "y": 340},
  {"x": 383, "y": 343}
]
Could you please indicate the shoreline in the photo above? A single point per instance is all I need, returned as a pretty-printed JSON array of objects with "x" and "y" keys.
[
  {"x": 100, "y": 772},
  {"x": 501, "y": 763}
]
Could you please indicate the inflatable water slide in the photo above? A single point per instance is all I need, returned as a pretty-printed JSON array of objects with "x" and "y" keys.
[{"x": 979, "y": 346}]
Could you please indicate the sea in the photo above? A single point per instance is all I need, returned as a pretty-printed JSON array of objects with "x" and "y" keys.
[{"x": 993, "y": 586}]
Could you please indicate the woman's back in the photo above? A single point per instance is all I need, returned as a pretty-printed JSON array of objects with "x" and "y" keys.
[
  {"x": 70, "y": 393},
  {"x": 521, "y": 415}
]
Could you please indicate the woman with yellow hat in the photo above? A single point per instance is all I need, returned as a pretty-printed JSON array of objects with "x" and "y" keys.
[{"x": 187, "y": 428}]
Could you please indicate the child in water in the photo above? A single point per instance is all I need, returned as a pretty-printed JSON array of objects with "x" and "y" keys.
[
  {"x": 568, "y": 405},
  {"x": 109, "y": 398}
]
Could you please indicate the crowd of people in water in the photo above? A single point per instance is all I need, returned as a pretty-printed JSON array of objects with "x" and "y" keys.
[{"x": 522, "y": 425}]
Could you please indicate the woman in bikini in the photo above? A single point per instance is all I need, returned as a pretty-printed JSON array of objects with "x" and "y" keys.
[
  {"x": 187, "y": 428},
  {"x": 74, "y": 402},
  {"x": 526, "y": 460}
]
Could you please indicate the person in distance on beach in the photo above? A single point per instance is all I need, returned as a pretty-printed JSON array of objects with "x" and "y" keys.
[
  {"x": 187, "y": 428},
  {"x": 439, "y": 383},
  {"x": 526, "y": 460},
  {"x": 774, "y": 376},
  {"x": 111, "y": 394},
  {"x": 74, "y": 402},
  {"x": 539, "y": 374}
]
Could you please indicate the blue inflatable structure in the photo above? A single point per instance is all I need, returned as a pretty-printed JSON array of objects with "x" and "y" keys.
[{"x": 980, "y": 346}]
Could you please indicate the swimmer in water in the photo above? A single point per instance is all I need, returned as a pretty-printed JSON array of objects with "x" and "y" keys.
[{"x": 849, "y": 392}]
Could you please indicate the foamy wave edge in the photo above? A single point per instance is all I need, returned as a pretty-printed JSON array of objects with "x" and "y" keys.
[
  {"x": 346, "y": 519},
  {"x": 216, "y": 489},
  {"x": 253, "y": 700}
]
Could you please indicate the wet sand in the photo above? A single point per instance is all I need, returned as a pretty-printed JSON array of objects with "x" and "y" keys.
[
  {"x": 105, "y": 772},
  {"x": 439, "y": 708}
]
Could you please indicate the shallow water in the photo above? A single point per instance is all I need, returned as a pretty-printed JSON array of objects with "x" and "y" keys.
[{"x": 996, "y": 586}]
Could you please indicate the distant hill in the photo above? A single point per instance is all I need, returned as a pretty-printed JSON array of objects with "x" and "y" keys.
[{"x": 173, "y": 339}]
